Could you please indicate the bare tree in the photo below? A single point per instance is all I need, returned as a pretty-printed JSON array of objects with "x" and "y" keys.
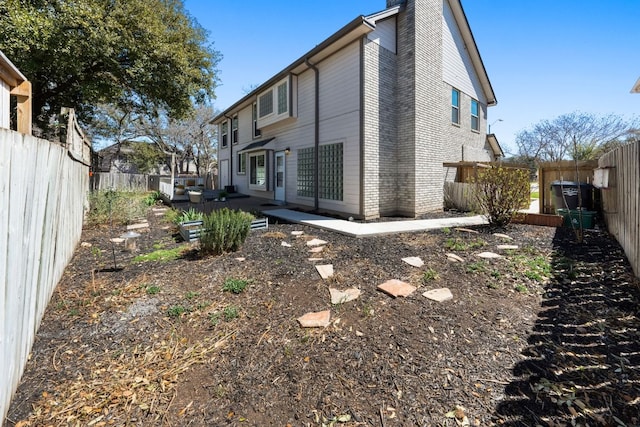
[{"x": 576, "y": 136}]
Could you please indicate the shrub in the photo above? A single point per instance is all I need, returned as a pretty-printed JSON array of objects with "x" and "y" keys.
[
  {"x": 152, "y": 199},
  {"x": 501, "y": 192},
  {"x": 117, "y": 207},
  {"x": 224, "y": 230}
]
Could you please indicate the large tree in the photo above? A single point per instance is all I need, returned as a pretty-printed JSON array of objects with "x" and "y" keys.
[
  {"x": 575, "y": 136},
  {"x": 139, "y": 55}
]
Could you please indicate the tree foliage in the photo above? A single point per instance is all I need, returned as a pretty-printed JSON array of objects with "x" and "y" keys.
[
  {"x": 575, "y": 136},
  {"x": 146, "y": 157},
  {"x": 139, "y": 55},
  {"x": 500, "y": 192}
]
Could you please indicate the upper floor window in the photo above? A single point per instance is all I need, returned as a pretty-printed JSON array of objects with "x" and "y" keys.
[
  {"x": 455, "y": 106},
  {"x": 234, "y": 130},
  {"x": 224, "y": 133},
  {"x": 475, "y": 116},
  {"x": 265, "y": 103},
  {"x": 256, "y": 132},
  {"x": 283, "y": 100}
]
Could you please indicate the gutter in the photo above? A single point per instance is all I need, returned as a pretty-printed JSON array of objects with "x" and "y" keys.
[
  {"x": 316, "y": 136},
  {"x": 229, "y": 133}
]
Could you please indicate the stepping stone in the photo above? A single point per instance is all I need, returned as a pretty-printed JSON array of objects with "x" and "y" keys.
[
  {"x": 340, "y": 297},
  {"x": 241, "y": 259},
  {"x": 503, "y": 236},
  {"x": 414, "y": 261},
  {"x": 297, "y": 233},
  {"x": 315, "y": 259},
  {"x": 117, "y": 240},
  {"x": 285, "y": 244},
  {"x": 138, "y": 226},
  {"x": 467, "y": 230},
  {"x": 504, "y": 247},
  {"x": 454, "y": 258},
  {"x": 440, "y": 295},
  {"x": 316, "y": 249},
  {"x": 325, "y": 270},
  {"x": 158, "y": 213},
  {"x": 320, "y": 319},
  {"x": 489, "y": 255},
  {"x": 316, "y": 242},
  {"x": 85, "y": 245},
  {"x": 397, "y": 288},
  {"x": 159, "y": 209}
]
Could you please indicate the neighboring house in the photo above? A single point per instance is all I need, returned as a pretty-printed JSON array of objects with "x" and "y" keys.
[
  {"x": 363, "y": 123},
  {"x": 115, "y": 159},
  {"x": 14, "y": 83}
]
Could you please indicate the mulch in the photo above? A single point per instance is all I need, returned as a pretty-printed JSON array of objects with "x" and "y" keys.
[{"x": 127, "y": 342}]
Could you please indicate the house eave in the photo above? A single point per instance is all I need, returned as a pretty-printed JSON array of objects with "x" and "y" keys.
[
  {"x": 472, "y": 48},
  {"x": 351, "y": 32},
  {"x": 495, "y": 145},
  {"x": 9, "y": 72}
]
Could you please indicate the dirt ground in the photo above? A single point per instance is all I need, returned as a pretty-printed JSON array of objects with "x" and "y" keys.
[{"x": 546, "y": 335}]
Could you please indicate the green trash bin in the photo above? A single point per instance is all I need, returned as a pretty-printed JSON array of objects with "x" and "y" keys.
[{"x": 573, "y": 217}]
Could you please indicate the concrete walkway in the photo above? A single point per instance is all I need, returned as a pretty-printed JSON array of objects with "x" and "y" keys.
[{"x": 357, "y": 229}]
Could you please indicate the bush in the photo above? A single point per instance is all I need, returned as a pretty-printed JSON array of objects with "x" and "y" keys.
[
  {"x": 224, "y": 230},
  {"x": 117, "y": 207},
  {"x": 501, "y": 192}
]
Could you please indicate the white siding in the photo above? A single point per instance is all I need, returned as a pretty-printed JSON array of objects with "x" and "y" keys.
[
  {"x": 385, "y": 34},
  {"x": 4, "y": 105},
  {"x": 458, "y": 70}
]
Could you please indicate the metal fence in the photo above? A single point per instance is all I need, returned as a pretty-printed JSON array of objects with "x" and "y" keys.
[{"x": 43, "y": 195}]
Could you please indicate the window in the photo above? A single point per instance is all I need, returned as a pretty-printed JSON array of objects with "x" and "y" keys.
[
  {"x": 265, "y": 104},
  {"x": 234, "y": 130},
  {"x": 257, "y": 171},
  {"x": 455, "y": 106},
  {"x": 475, "y": 120},
  {"x": 224, "y": 134},
  {"x": 256, "y": 132},
  {"x": 242, "y": 163},
  {"x": 283, "y": 101},
  {"x": 330, "y": 172}
]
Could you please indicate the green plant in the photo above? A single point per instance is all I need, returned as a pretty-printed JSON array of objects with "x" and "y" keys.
[
  {"x": 152, "y": 199},
  {"x": 152, "y": 290},
  {"x": 500, "y": 192},
  {"x": 430, "y": 275},
  {"x": 161, "y": 255},
  {"x": 191, "y": 295},
  {"x": 214, "y": 318},
  {"x": 521, "y": 288},
  {"x": 224, "y": 230},
  {"x": 446, "y": 230},
  {"x": 477, "y": 267},
  {"x": 223, "y": 194},
  {"x": 234, "y": 285},
  {"x": 189, "y": 215},
  {"x": 176, "y": 311},
  {"x": 456, "y": 244},
  {"x": 172, "y": 215},
  {"x": 230, "y": 312},
  {"x": 117, "y": 207}
]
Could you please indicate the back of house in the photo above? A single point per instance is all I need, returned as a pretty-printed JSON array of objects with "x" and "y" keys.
[{"x": 362, "y": 124}]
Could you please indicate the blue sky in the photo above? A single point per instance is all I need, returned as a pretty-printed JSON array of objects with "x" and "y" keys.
[{"x": 544, "y": 58}]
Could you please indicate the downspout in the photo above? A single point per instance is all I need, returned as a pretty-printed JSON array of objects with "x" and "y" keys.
[
  {"x": 316, "y": 131},
  {"x": 230, "y": 137}
]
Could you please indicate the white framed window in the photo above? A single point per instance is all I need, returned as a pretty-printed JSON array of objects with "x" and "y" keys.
[
  {"x": 283, "y": 98},
  {"x": 258, "y": 170},
  {"x": 257, "y": 133},
  {"x": 455, "y": 106},
  {"x": 234, "y": 130},
  {"x": 224, "y": 132},
  {"x": 475, "y": 116},
  {"x": 265, "y": 104},
  {"x": 242, "y": 163}
]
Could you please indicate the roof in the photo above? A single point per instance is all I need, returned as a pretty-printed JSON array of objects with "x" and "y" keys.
[
  {"x": 9, "y": 72},
  {"x": 636, "y": 87},
  {"x": 495, "y": 145},
  {"x": 258, "y": 145}
]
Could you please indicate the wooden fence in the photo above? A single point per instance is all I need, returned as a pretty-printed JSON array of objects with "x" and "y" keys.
[
  {"x": 460, "y": 196},
  {"x": 561, "y": 171},
  {"x": 43, "y": 194},
  {"x": 619, "y": 178},
  {"x": 120, "y": 181}
]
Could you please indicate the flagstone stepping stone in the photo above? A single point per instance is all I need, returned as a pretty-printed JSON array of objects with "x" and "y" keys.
[
  {"x": 159, "y": 209},
  {"x": 414, "y": 261},
  {"x": 467, "y": 230},
  {"x": 86, "y": 244},
  {"x": 315, "y": 259},
  {"x": 316, "y": 242},
  {"x": 158, "y": 213},
  {"x": 297, "y": 233},
  {"x": 325, "y": 270},
  {"x": 340, "y": 297},
  {"x": 138, "y": 226},
  {"x": 454, "y": 258},
  {"x": 285, "y": 244},
  {"x": 439, "y": 295},
  {"x": 316, "y": 249},
  {"x": 117, "y": 240},
  {"x": 319, "y": 319},
  {"x": 504, "y": 247},
  {"x": 397, "y": 288},
  {"x": 489, "y": 255},
  {"x": 503, "y": 236}
]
